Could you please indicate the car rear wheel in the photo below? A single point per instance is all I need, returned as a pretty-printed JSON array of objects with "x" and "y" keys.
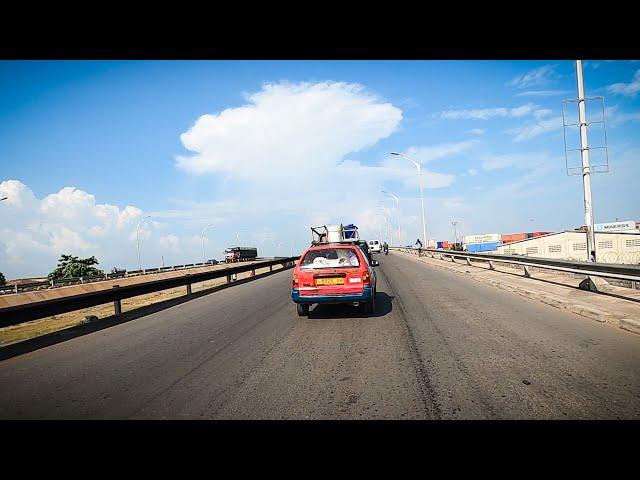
[
  {"x": 303, "y": 310},
  {"x": 370, "y": 306}
]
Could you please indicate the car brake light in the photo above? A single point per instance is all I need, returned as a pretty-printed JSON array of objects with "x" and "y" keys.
[
  {"x": 365, "y": 278},
  {"x": 295, "y": 280}
]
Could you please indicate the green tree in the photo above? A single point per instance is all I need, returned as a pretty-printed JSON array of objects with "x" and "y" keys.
[
  {"x": 3, "y": 280},
  {"x": 73, "y": 267}
]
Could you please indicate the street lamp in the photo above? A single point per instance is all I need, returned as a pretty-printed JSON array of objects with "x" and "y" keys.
[
  {"x": 455, "y": 232},
  {"x": 387, "y": 217},
  {"x": 398, "y": 205},
  {"x": 202, "y": 234},
  {"x": 138, "y": 240},
  {"x": 419, "y": 167}
]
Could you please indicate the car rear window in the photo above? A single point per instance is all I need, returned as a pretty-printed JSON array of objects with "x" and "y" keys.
[{"x": 330, "y": 258}]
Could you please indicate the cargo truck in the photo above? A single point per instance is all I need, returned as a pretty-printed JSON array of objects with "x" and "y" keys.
[{"x": 240, "y": 254}]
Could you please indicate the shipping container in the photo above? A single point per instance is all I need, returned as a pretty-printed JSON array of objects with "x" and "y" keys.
[
  {"x": 439, "y": 244},
  {"x": 513, "y": 237},
  {"x": 484, "y": 238},
  {"x": 445, "y": 245},
  {"x": 482, "y": 247},
  {"x": 539, "y": 234}
]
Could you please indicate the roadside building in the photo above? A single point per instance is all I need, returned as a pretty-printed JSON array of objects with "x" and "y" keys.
[{"x": 611, "y": 247}]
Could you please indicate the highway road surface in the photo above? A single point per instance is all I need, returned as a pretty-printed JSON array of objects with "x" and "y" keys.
[{"x": 439, "y": 347}]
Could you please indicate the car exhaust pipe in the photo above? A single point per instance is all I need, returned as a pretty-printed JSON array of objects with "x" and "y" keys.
[{"x": 355, "y": 304}]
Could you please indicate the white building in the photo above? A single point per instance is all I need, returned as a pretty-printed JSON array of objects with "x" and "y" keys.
[{"x": 619, "y": 247}]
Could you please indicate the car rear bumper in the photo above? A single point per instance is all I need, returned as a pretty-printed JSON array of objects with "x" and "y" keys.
[{"x": 365, "y": 296}]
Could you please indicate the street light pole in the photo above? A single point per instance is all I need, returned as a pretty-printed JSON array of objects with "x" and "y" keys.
[
  {"x": 419, "y": 167},
  {"x": 388, "y": 220},
  {"x": 395, "y": 197},
  {"x": 586, "y": 168},
  {"x": 138, "y": 239},
  {"x": 202, "y": 234},
  {"x": 455, "y": 232}
]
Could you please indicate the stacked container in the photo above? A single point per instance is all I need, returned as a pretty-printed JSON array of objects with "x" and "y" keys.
[
  {"x": 482, "y": 247},
  {"x": 482, "y": 243},
  {"x": 513, "y": 237}
]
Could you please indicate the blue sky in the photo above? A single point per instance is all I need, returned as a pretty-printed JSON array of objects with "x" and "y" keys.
[{"x": 262, "y": 149}]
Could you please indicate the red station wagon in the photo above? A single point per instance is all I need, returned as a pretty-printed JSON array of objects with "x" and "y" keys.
[{"x": 334, "y": 273}]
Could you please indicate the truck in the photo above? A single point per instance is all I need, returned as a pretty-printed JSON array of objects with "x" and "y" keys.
[{"x": 240, "y": 254}]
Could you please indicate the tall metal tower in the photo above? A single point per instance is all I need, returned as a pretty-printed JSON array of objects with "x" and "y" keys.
[{"x": 586, "y": 168}]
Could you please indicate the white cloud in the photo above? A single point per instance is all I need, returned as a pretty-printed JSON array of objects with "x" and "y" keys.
[
  {"x": 472, "y": 172},
  {"x": 425, "y": 154},
  {"x": 306, "y": 127},
  {"x": 170, "y": 242},
  {"x": 34, "y": 232},
  {"x": 543, "y": 93},
  {"x": 615, "y": 117},
  {"x": 628, "y": 89},
  {"x": 538, "y": 76},
  {"x": 477, "y": 131},
  {"x": 529, "y": 131},
  {"x": 516, "y": 160},
  {"x": 487, "y": 113}
]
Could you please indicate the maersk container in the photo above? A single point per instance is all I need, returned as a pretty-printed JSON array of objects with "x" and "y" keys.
[{"x": 482, "y": 247}]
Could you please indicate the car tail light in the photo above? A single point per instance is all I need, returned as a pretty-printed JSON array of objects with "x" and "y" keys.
[
  {"x": 365, "y": 278},
  {"x": 295, "y": 280}
]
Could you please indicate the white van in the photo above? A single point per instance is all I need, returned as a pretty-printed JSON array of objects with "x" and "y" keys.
[{"x": 375, "y": 246}]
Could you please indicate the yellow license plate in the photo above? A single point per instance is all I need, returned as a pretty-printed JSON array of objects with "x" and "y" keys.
[{"x": 330, "y": 281}]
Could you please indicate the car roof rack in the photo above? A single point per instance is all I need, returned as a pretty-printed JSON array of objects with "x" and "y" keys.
[{"x": 334, "y": 234}]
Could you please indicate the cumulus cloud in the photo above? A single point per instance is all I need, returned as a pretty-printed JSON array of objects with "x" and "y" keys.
[
  {"x": 538, "y": 76},
  {"x": 630, "y": 89},
  {"x": 35, "y": 232},
  {"x": 312, "y": 135},
  {"x": 285, "y": 126}
]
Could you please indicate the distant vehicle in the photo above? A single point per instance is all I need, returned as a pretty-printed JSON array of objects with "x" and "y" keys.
[
  {"x": 240, "y": 254},
  {"x": 364, "y": 245},
  {"x": 375, "y": 246},
  {"x": 334, "y": 273},
  {"x": 212, "y": 261}
]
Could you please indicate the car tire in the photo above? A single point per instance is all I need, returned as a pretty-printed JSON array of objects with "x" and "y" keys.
[
  {"x": 370, "y": 306},
  {"x": 303, "y": 309}
]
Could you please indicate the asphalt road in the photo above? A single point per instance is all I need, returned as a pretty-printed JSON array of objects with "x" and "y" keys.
[{"x": 439, "y": 347}]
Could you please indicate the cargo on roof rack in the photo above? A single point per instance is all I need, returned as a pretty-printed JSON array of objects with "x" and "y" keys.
[{"x": 325, "y": 234}]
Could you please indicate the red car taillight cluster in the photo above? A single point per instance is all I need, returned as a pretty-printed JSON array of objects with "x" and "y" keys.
[
  {"x": 295, "y": 280},
  {"x": 366, "y": 278}
]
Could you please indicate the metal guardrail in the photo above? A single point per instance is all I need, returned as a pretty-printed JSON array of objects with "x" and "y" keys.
[
  {"x": 29, "y": 287},
  {"x": 31, "y": 311},
  {"x": 606, "y": 270}
]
